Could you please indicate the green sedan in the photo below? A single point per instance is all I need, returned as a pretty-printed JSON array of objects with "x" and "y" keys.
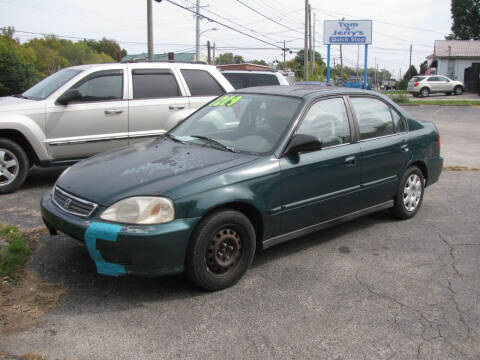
[{"x": 249, "y": 170}]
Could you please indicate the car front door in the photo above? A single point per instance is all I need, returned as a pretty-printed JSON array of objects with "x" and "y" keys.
[
  {"x": 321, "y": 185},
  {"x": 384, "y": 149},
  {"x": 444, "y": 84},
  {"x": 96, "y": 122},
  {"x": 157, "y": 101}
]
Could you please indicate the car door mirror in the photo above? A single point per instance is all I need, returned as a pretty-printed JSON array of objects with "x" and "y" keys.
[
  {"x": 302, "y": 143},
  {"x": 69, "y": 96}
]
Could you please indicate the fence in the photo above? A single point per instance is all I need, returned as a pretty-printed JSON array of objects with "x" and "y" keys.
[{"x": 472, "y": 78}]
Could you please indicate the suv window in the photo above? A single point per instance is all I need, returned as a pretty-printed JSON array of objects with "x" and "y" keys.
[
  {"x": 201, "y": 83},
  {"x": 237, "y": 80},
  {"x": 328, "y": 121},
  {"x": 101, "y": 86},
  {"x": 434, "y": 78},
  {"x": 373, "y": 116},
  {"x": 243, "y": 80},
  {"x": 441, "y": 78},
  {"x": 154, "y": 83},
  {"x": 418, "y": 78}
]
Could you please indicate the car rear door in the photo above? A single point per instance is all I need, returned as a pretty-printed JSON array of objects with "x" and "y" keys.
[
  {"x": 321, "y": 185},
  {"x": 384, "y": 148},
  {"x": 157, "y": 100},
  {"x": 201, "y": 86}
]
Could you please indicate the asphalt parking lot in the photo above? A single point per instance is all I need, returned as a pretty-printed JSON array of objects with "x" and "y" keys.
[
  {"x": 373, "y": 288},
  {"x": 442, "y": 96}
]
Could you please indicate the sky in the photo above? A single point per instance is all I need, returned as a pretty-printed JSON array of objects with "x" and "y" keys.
[{"x": 396, "y": 25}]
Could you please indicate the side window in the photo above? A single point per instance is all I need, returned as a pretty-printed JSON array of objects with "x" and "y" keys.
[
  {"x": 101, "y": 86},
  {"x": 373, "y": 116},
  {"x": 201, "y": 83},
  {"x": 237, "y": 80},
  {"x": 328, "y": 121},
  {"x": 398, "y": 122},
  {"x": 434, "y": 78},
  {"x": 154, "y": 83},
  {"x": 262, "y": 80},
  {"x": 441, "y": 78}
]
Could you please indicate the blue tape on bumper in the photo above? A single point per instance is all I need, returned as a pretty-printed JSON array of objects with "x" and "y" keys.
[{"x": 108, "y": 232}]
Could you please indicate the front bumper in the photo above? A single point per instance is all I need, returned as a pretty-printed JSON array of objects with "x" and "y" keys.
[{"x": 118, "y": 249}]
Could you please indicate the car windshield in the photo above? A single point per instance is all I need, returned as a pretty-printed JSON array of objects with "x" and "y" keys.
[
  {"x": 49, "y": 85},
  {"x": 250, "y": 123}
]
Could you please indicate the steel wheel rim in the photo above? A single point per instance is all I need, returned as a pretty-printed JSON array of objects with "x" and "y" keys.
[
  {"x": 223, "y": 251},
  {"x": 458, "y": 91},
  {"x": 412, "y": 192},
  {"x": 425, "y": 92},
  {"x": 8, "y": 167}
]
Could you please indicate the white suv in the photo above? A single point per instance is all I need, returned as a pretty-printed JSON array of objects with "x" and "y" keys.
[
  {"x": 84, "y": 110},
  {"x": 426, "y": 85},
  {"x": 244, "y": 78}
]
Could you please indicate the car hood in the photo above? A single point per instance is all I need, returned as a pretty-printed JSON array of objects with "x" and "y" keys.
[
  {"x": 8, "y": 103},
  {"x": 150, "y": 168}
]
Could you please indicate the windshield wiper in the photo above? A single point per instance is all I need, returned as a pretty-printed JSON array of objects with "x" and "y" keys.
[
  {"x": 173, "y": 138},
  {"x": 213, "y": 141}
]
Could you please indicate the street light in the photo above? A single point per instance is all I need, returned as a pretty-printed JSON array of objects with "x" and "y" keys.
[
  {"x": 211, "y": 29},
  {"x": 284, "y": 51}
]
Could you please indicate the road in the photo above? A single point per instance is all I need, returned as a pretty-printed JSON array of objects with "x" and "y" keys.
[
  {"x": 442, "y": 96},
  {"x": 373, "y": 288}
]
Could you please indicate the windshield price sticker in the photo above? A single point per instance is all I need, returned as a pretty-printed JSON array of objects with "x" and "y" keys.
[{"x": 226, "y": 100}]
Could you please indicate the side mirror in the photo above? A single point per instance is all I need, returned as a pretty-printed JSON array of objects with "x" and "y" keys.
[
  {"x": 302, "y": 143},
  {"x": 69, "y": 96}
]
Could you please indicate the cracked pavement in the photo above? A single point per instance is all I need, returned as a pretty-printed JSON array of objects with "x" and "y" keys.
[{"x": 372, "y": 288}]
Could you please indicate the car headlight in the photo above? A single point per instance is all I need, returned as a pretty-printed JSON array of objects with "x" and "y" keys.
[{"x": 140, "y": 210}]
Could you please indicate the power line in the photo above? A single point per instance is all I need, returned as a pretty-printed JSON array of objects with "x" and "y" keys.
[{"x": 224, "y": 25}]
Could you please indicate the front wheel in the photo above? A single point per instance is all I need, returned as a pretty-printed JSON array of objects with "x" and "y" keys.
[
  {"x": 409, "y": 195},
  {"x": 221, "y": 250},
  {"x": 458, "y": 90},
  {"x": 14, "y": 166}
]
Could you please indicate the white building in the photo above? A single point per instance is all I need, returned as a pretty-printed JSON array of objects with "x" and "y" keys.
[{"x": 454, "y": 56}]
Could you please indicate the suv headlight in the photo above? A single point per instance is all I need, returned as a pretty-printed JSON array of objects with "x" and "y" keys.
[{"x": 141, "y": 210}]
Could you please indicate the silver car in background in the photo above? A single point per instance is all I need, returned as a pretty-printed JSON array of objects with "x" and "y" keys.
[{"x": 425, "y": 85}]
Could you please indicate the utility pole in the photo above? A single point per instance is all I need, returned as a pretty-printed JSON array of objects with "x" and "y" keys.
[
  {"x": 341, "y": 57},
  {"x": 313, "y": 46},
  {"x": 410, "y": 62},
  {"x": 284, "y": 56},
  {"x": 208, "y": 52},
  {"x": 149, "y": 30},
  {"x": 213, "y": 54},
  {"x": 310, "y": 37},
  {"x": 305, "y": 50},
  {"x": 197, "y": 32},
  {"x": 375, "y": 81}
]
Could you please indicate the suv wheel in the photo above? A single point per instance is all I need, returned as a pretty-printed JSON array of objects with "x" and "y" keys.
[
  {"x": 458, "y": 90},
  {"x": 221, "y": 250},
  {"x": 14, "y": 166},
  {"x": 425, "y": 92},
  {"x": 409, "y": 195}
]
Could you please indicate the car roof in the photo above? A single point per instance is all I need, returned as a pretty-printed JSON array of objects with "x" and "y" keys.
[
  {"x": 264, "y": 72},
  {"x": 305, "y": 91}
]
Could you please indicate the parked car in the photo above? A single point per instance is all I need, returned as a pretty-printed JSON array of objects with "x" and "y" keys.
[
  {"x": 84, "y": 110},
  {"x": 425, "y": 85},
  {"x": 357, "y": 83},
  {"x": 244, "y": 78},
  {"x": 250, "y": 170}
]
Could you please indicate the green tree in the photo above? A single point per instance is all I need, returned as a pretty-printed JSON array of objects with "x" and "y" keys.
[
  {"x": 409, "y": 74},
  {"x": 107, "y": 46},
  {"x": 423, "y": 67},
  {"x": 17, "y": 67},
  {"x": 225, "y": 58},
  {"x": 259, "y": 62},
  {"x": 466, "y": 20}
]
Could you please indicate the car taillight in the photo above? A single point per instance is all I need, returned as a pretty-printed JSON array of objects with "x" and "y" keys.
[
  {"x": 416, "y": 84},
  {"x": 438, "y": 142}
]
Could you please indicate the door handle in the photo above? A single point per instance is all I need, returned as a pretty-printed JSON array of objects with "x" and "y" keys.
[
  {"x": 404, "y": 148},
  {"x": 176, "y": 107},
  {"x": 113, "y": 111},
  {"x": 351, "y": 161}
]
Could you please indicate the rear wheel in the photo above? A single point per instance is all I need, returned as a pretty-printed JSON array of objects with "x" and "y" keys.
[
  {"x": 221, "y": 250},
  {"x": 458, "y": 90},
  {"x": 410, "y": 194},
  {"x": 14, "y": 166},
  {"x": 425, "y": 92}
]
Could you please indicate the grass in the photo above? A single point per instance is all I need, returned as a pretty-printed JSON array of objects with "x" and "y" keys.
[
  {"x": 394, "y": 92},
  {"x": 15, "y": 254},
  {"x": 446, "y": 102}
]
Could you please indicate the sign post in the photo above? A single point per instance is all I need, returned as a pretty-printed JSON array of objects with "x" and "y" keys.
[{"x": 348, "y": 32}]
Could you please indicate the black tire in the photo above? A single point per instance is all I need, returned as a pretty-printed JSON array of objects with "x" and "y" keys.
[
  {"x": 400, "y": 210},
  {"x": 206, "y": 265},
  {"x": 425, "y": 92},
  {"x": 11, "y": 152},
  {"x": 416, "y": 95},
  {"x": 458, "y": 90}
]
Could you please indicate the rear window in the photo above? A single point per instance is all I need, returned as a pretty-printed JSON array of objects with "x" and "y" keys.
[
  {"x": 417, "y": 78},
  {"x": 201, "y": 83},
  {"x": 154, "y": 83},
  {"x": 243, "y": 80}
]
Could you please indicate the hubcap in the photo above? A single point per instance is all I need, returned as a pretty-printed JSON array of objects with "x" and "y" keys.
[
  {"x": 8, "y": 167},
  {"x": 425, "y": 93},
  {"x": 223, "y": 251},
  {"x": 412, "y": 192}
]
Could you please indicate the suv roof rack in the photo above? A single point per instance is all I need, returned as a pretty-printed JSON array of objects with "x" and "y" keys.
[{"x": 165, "y": 61}]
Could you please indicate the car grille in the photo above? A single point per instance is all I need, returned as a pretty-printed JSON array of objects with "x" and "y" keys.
[{"x": 72, "y": 204}]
